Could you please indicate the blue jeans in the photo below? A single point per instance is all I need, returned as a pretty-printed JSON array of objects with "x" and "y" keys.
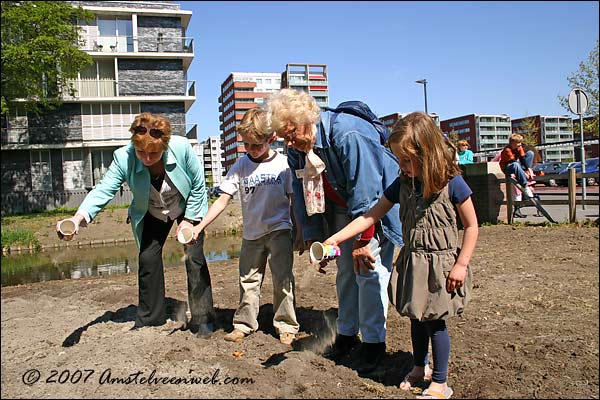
[
  {"x": 517, "y": 168},
  {"x": 362, "y": 299}
]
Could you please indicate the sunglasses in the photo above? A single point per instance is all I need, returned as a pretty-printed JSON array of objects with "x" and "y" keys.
[{"x": 155, "y": 133}]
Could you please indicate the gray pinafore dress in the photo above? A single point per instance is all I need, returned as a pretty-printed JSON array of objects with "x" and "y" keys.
[{"x": 418, "y": 283}]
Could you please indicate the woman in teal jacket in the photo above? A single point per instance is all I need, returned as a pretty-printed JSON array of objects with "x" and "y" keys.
[{"x": 167, "y": 184}]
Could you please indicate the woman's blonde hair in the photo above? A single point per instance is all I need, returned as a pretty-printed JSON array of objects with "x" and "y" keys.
[
  {"x": 418, "y": 138},
  {"x": 462, "y": 142},
  {"x": 291, "y": 105},
  {"x": 255, "y": 126},
  {"x": 147, "y": 140}
]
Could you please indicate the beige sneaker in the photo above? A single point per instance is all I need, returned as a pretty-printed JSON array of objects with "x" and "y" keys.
[
  {"x": 286, "y": 337},
  {"x": 235, "y": 336}
]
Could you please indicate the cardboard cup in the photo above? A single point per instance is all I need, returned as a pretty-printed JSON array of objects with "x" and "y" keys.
[
  {"x": 319, "y": 252},
  {"x": 185, "y": 235},
  {"x": 67, "y": 227}
]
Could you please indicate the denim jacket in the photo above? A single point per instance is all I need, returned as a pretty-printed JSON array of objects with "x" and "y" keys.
[
  {"x": 183, "y": 168},
  {"x": 358, "y": 168}
]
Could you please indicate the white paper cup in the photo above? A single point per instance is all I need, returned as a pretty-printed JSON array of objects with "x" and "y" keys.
[
  {"x": 67, "y": 227},
  {"x": 319, "y": 252},
  {"x": 185, "y": 235}
]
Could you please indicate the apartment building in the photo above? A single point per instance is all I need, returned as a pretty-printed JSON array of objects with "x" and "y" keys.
[
  {"x": 242, "y": 91},
  {"x": 212, "y": 160},
  {"x": 391, "y": 119},
  {"x": 482, "y": 132},
  {"x": 547, "y": 130},
  {"x": 309, "y": 78},
  {"x": 141, "y": 57}
]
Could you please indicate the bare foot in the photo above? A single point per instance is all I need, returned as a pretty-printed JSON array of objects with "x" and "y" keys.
[{"x": 416, "y": 375}]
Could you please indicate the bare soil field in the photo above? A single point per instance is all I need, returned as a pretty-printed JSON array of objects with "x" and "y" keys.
[{"x": 531, "y": 331}]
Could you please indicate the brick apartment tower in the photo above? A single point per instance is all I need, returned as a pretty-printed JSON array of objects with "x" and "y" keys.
[{"x": 242, "y": 91}]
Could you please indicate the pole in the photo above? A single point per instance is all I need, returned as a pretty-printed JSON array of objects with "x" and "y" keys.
[
  {"x": 580, "y": 112},
  {"x": 425, "y": 92}
]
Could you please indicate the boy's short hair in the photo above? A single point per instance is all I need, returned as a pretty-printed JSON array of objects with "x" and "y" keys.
[
  {"x": 515, "y": 137},
  {"x": 255, "y": 125}
]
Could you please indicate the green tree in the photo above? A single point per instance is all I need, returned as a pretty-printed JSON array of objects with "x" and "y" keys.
[
  {"x": 529, "y": 130},
  {"x": 40, "y": 52},
  {"x": 586, "y": 78}
]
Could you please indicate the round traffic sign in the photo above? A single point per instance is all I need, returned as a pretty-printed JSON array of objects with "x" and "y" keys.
[{"x": 578, "y": 101}]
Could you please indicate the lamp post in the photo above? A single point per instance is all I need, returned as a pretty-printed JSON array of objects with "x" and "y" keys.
[{"x": 424, "y": 83}]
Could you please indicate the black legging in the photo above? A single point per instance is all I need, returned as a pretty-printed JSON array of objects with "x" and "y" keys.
[{"x": 151, "y": 278}]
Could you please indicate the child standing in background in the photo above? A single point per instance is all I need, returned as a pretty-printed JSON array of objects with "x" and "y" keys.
[
  {"x": 264, "y": 179},
  {"x": 432, "y": 279}
]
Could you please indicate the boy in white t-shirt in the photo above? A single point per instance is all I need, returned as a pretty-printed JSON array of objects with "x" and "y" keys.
[{"x": 264, "y": 181}]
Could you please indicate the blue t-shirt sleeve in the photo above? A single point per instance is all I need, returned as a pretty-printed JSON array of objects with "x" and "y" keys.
[
  {"x": 392, "y": 192},
  {"x": 458, "y": 189}
]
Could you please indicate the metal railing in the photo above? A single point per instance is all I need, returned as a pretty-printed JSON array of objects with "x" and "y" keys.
[{"x": 131, "y": 44}]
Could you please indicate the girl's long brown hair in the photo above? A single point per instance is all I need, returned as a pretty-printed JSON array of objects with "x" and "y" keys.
[{"x": 417, "y": 137}]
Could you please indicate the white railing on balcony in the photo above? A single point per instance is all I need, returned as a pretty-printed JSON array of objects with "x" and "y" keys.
[
  {"x": 130, "y": 44},
  {"x": 124, "y": 87}
]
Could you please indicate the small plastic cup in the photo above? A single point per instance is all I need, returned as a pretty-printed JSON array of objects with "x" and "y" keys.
[
  {"x": 67, "y": 228},
  {"x": 320, "y": 252},
  {"x": 185, "y": 235}
]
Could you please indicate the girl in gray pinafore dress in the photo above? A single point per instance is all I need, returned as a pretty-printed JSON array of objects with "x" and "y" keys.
[{"x": 431, "y": 281}]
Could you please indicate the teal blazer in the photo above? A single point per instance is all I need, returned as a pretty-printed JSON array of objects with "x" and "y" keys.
[{"x": 183, "y": 168}]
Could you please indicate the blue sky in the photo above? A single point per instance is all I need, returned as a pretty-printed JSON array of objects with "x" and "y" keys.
[{"x": 478, "y": 57}]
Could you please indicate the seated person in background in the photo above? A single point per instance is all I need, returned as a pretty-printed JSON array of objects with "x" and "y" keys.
[
  {"x": 515, "y": 161},
  {"x": 465, "y": 156}
]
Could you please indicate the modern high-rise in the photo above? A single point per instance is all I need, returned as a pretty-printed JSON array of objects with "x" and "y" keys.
[
  {"x": 141, "y": 56},
  {"x": 212, "y": 160},
  {"x": 548, "y": 129},
  {"x": 242, "y": 91},
  {"x": 309, "y": 78},
  {"x": 482, "y": 132}
]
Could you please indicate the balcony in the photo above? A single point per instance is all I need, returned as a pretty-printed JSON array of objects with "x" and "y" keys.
[
  {"x": 133, "y": 45},
  {"x": 132, "y": 90}
]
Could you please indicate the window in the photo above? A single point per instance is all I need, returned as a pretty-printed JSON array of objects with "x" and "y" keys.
[
  {"x": 41, "y": 173},
  {"x": 115, "y": 34},
  {"x": 101, "y": 160},
  {"x": 97, "y": 80},
  {"x": 73, "y": 169},
  {"x": 107, "y": 121}
]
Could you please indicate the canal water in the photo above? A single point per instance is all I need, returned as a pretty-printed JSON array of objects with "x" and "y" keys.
[{"x": 76, "y": 263}]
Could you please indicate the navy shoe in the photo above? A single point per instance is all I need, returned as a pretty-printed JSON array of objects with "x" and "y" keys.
[
  {"x": 368, "y": 356},
  {"x": 342, "y": 346}
]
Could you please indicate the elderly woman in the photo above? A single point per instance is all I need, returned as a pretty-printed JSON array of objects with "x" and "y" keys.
[
  {"x": 347, "y": 166},
  {"x": 167, "y": 184}
]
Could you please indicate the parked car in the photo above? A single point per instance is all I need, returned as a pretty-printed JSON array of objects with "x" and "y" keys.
[
  {"x": 549, "y": 167},
  {"x": 591, "y": 166}
]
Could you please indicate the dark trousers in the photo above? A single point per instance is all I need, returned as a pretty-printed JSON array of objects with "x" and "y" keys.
[{"x": 151, "y": 278}]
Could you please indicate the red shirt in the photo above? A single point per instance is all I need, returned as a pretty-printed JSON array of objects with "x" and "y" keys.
[
  {"x": 332, "y": 195},
  {"x": 509, "y": 155}
]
